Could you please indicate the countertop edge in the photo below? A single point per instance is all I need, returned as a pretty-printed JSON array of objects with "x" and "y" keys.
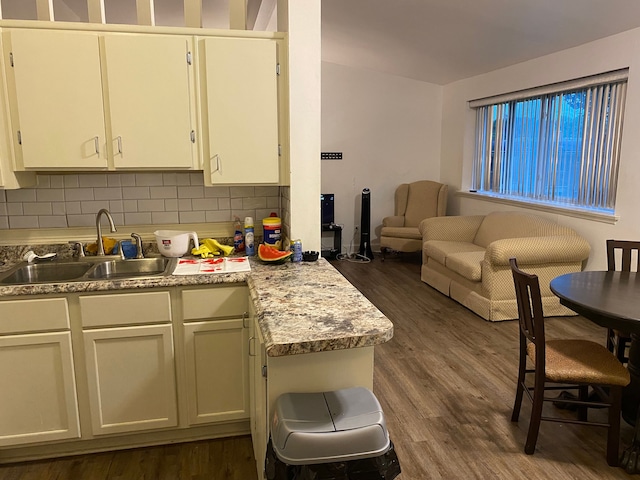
[{"x": 303, "y": 293}]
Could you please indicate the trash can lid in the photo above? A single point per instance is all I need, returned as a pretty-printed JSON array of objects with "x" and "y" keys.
[{"x": 325, "y": 427}]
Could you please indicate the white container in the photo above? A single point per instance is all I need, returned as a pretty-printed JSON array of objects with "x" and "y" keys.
[{"x": 174, "y": 243}]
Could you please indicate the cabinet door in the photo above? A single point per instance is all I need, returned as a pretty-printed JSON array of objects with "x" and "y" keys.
[
  {"x": 258, "y": 393},
  {"x": 58, "y": 99},
  {"x": 217, "y": 371},
  {"x": 131, "y": 378},
  {"x": 241, "y": 114},
  {"x": 38, "y": 394},
  {"x": 149, "y": 101}
]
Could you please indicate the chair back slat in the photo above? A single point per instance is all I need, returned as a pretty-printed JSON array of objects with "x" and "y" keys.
[
  {"x": 627, "y": 248},
  {"x": 529, "y": 300}
]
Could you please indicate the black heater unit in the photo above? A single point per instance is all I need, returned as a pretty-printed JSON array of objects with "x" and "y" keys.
[{"x": 365, "y": 225}]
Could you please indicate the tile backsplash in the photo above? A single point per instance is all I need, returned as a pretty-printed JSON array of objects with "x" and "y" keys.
[{"x": 72, "y": 200}]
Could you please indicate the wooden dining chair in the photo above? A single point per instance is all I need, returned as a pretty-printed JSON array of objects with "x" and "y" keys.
[
  {"x": 563, "y": 365},
  {"x": 617, "y": 340}
]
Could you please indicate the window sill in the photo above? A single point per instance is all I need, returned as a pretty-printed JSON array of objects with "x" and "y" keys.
[{"x": 571, "y": 212}]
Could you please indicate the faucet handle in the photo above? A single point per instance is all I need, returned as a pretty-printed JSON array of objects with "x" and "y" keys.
[
  {"x": 121, "y": 250},
  {"x": 78, "y": 249},
  {"x": 138, "y": 239}
]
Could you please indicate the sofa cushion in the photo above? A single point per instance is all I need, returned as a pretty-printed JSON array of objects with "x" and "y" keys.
[
  {"x": 402, "y": 232},
  {"x": 499, "y": 225},
  {"x": 466, "y": 264},
  {"x": 440, "y": 250}
]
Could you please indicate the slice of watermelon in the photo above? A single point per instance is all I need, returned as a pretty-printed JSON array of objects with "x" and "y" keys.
[{"x": 269, "y": 254}]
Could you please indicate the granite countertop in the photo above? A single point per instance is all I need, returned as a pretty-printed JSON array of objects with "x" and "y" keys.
[{"x": 301, "y": 307}]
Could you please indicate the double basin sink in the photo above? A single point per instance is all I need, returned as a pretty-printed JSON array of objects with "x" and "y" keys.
[{"x": 87, "y": 269}]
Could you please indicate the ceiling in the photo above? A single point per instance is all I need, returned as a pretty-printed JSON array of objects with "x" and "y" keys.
[
  {"x": 437, "y": 41},
  {"x": 441, "y": 41}
]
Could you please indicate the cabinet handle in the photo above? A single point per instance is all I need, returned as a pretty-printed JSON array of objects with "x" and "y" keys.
[
  {"x": 250, "y": 343},
  {"x": 217, "y": 159},
  {"x": 96, "y": 140},
  {"x": 245, "y": 317},
  {"x": 119, "y": 138}
]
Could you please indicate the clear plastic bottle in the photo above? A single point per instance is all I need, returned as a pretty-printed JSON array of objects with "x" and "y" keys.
[{"x": 249, "y": 237}]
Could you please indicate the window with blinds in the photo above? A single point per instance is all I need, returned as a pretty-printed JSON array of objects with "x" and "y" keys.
[{"x": 558, "y": 144}]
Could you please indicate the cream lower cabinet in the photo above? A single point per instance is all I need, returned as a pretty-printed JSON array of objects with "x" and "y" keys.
[
  {"x": 130, "y": 369},
  {"x": 310, "y": 372},
  {"x": 215, "y": 344},
  {"x": 38, "y": 395},
  {"x": 258, "y": 393}
]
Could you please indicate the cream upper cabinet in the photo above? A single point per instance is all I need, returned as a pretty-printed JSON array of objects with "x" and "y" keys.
[
  {"x": 58, "y": 110},
  {"x": 9, "y": 178},
  {"x": 240, "y": 110},
  {"x": 149, "y": 105},
  {"x": 86, "y": 101}
]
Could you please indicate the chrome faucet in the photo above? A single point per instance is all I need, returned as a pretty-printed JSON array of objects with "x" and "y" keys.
[
  {"x": 99, "y": 229},
  {"x": 138, "y": 239}
]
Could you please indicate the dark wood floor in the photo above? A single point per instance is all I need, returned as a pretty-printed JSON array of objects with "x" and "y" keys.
[
  {"x": 446, "y": 382},
  {"x": 223, "y": 459}
]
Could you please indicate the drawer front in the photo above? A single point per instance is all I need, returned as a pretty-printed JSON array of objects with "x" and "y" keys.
[
  {"x": 38, "y": 315},
  {"x": 125, "y": 309},
  {"x": 214, "y": 302}
]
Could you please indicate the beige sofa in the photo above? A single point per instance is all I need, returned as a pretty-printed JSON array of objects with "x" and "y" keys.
[{"x": 467, "y": 258}]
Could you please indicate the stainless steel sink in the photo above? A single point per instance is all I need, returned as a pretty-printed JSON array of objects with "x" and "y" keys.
[
  {"x": 129, "y": 268},
  {"x": 45, "y": 272},
  {"x": 99, "y": 268}
]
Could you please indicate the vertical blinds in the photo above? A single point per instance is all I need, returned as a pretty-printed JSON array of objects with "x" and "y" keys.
[{"x": 553, "y": 146}]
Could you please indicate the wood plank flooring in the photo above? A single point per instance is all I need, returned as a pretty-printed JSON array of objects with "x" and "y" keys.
[
  {"x": 222, "y": 459},
  {"x": 446, "y": 383}
]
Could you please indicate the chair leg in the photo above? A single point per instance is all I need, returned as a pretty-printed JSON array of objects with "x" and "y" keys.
[
  {"x": 383, "y": 251},
  {"x": 613, "y": 436},
  {"x": 515, "y": 414},
  {"x": 536, "y": 415},
  {"x": 621, "y": 347},
  {"x": 583, "y": 395},
  {"x": 610, "y": 343}
]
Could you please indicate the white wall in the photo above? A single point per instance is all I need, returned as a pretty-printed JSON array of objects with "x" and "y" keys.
[
  {"x": 388, "y": 129},
  {"x": 611, "y": 53},
  {"x": 301, "y": 19}
]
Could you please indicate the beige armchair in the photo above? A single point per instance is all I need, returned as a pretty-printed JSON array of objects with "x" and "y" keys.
[{"x": 413, "y": 203}]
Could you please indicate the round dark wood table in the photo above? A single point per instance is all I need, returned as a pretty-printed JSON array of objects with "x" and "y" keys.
[{"x": 611, "y": 299}]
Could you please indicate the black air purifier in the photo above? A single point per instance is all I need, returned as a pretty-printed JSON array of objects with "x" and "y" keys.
[{"x": 365, "y": 225}]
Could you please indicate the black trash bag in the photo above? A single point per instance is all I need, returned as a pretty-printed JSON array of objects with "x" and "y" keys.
[
  {"x": 274, "y": 468},
  {"x": 382, "y": 467}
]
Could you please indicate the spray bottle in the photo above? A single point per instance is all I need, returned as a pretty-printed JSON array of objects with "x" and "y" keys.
[
  {"x": 248, "y": 236},
  {"x": 238, "y": 238}
]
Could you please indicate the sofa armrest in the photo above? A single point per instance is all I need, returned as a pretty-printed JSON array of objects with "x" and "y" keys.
[
  {"x": 538, "y": 250},
  {"x": 394, "y": 221},
  {"x": 457, "y": 229}
]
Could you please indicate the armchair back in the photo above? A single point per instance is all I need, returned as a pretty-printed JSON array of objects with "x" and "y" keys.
[{"x": 419, "y": 200}]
